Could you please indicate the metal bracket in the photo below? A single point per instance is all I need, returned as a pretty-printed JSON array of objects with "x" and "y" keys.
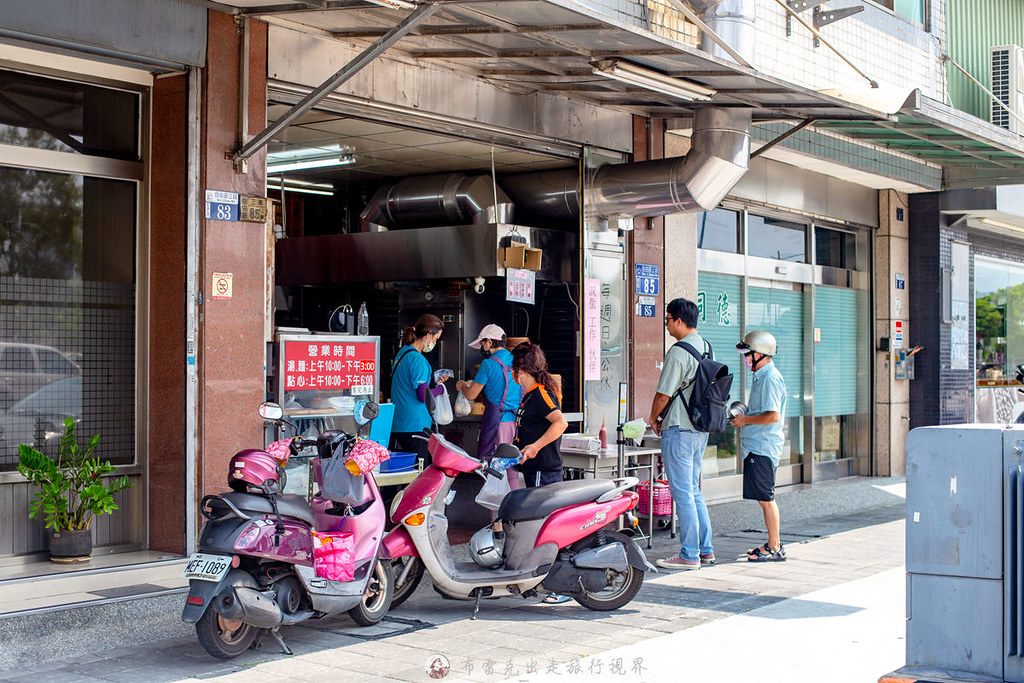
[
  {"x": 824, "y": 17},
  {"x": 799, "y": 6}
]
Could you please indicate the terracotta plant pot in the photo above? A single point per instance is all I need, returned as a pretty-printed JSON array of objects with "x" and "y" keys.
[{"x": 70, "y": 545}]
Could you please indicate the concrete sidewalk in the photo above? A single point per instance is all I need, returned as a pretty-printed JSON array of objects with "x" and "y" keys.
[
  {"x": 517, "y": 638},
  {"x": 850, "y": 633}
]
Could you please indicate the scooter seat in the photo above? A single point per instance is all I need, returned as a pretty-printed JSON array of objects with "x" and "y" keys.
[
  {"x": 289, "y": 505},
  {"x": 535, "y": 503}
]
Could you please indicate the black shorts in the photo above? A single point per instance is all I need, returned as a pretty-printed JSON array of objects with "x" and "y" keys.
[{"x": 758, "y": 478}]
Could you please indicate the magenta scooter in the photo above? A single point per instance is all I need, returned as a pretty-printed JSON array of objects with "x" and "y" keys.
[
  {"x": 560, "y": 537},
  {"x": 254, "y": 571}
]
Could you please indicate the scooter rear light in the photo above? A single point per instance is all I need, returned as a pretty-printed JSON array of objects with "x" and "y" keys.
[
  {"x": 235, "y": 561},
  {"x": 634, "y": 498},
  {"x": 248, "y": 536},
  {"x": 195, "y": 600},
  {"x": 415, "y": 520}
]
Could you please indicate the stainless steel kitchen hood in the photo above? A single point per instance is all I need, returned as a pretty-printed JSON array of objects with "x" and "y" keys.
[{"x": 461, "y": 251}]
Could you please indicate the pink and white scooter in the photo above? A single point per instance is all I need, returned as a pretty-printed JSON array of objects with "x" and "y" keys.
[{"x": 556, "y": 537}]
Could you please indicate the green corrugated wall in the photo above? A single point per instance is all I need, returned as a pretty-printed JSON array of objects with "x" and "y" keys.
[{"x": 973, "y": 26}]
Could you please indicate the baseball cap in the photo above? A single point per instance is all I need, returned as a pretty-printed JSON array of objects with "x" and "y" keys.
[{"x": 491, "y": 331}]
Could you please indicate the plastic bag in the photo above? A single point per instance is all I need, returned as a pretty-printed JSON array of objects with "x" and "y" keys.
[
  {"x": 338, "y": 484},
  {"x": 634, "y": 429},
  {"x": 463, "y": 406},
  {"x": 493, "y": 492},
  {"x": 334, "y": 556},
  {"x": 442, "y": 412}
]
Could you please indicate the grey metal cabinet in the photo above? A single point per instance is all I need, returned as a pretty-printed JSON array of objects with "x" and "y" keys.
[{"x": 965, "y": 556}]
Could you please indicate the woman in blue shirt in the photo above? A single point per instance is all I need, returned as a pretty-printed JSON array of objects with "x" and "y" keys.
[
  {"x": 501, "y": 393},
  {"x": 410, "y": 382}
]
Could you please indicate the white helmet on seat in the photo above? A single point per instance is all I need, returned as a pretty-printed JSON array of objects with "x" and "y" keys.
[{"x": 484, "y": 549}]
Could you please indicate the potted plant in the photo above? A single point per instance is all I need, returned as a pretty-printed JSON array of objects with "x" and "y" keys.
[{"x": 73, "y": 488}]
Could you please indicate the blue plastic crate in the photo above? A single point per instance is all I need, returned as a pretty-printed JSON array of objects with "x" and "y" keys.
[{"x": 399, "y": 462}]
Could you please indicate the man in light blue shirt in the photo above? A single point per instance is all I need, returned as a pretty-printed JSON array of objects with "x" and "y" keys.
[{"x": 761, "y": 437}]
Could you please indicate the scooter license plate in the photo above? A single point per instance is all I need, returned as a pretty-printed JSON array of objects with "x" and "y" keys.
[{"x": 205, "y": 567}]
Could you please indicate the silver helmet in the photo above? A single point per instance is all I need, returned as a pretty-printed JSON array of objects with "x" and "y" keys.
[
  {"x": 759, "y": 341},
  {"x": 484, "y": 549}
]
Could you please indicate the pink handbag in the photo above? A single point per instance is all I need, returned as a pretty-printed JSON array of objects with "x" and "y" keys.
[
  {"x": 365, "y": 455},
  {"x": 334, "y": 555}
]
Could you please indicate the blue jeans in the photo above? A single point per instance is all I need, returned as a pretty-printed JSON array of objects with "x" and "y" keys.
[{"x": 682, "y": 452}]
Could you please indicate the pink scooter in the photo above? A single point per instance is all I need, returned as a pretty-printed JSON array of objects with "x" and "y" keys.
[
  {"x": 556, "y": 537},
  {"x": 254, "y": 569}
]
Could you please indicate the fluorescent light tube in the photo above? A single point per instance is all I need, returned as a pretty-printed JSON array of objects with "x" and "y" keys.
[
  {"x": 993, "y": 223},
  {"x": 395, "y": 4},
  {"x": 311, "y": 162},
  {"x": 300, "y": 190},
  {"x": 652, "y": 80},
  {"x": 305, "y": 187}
]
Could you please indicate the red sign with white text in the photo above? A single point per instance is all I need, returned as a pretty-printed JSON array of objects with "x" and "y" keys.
[{"x": 330, "y": 365}]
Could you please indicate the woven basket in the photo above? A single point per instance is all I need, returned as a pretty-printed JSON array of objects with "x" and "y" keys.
[{"x": 662, "y": 498}]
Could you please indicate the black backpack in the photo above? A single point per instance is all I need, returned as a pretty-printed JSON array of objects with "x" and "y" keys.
[{"x": 710, "y": 396}]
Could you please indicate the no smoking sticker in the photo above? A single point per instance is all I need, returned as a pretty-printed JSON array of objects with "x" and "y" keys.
[{"x": 222, "y": 285}]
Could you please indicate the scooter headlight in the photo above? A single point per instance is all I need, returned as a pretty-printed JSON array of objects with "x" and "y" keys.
[{"x": 394, "y": 505}]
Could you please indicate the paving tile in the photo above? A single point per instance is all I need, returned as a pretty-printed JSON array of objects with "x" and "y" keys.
[{"x": 509, "y": 629}]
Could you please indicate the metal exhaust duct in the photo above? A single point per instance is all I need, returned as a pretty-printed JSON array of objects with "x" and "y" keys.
[
  {"x": 718, "y": 157},
  {"x": 428, "y": 201}
]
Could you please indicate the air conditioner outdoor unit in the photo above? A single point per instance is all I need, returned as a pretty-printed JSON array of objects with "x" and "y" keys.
[{"x": 1007, "y": 64}]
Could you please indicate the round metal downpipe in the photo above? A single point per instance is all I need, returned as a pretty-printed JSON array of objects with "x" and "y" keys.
[
  {"x": 435, "y": 200},
  {"x": 718, "y": 157}
]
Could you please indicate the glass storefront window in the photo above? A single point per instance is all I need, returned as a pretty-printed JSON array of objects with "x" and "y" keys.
[
  {"x": 776, "y": 239},
  {"x": 999, "y": 317},
  {"x": 720, "y": 307},
  {"x": 68, "y": 117},
  {"x": 718, "y": 230},
  {"x": 835, "y": 248},
  {"x": 841, "y": 372},
  {"x": 67, "y": 311},
  {"x": 781, "y": 312}
]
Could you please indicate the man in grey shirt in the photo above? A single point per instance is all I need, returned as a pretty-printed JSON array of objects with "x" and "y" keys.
[{"x": 682, "y": 446}]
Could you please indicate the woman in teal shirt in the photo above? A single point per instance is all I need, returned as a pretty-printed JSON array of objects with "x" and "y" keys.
[{"x": 410, "y": 382}]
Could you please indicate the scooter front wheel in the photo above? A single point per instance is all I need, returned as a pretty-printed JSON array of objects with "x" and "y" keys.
[
  {"x": 377, "y": 599},
  {"x": 408, "y": 572},
  {"x": 624, "y": 586},
  {"x": 224, "y": 638}
]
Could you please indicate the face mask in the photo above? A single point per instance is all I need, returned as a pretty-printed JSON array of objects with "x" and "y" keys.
[
  {"x": 429, "y": 346},
  {"x": 485, "y": 353},
  {"x": 748, "y": 362}
]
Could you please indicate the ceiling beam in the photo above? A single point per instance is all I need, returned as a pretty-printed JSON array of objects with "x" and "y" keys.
[
  {"x": 941, "y": 143},
  {"x": 315, "y": 96},
  {"x": 470, "y": 29},
  {"x": 543, "y": 54}
]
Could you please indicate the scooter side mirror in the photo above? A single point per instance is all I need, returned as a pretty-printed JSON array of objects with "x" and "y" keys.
[
  {"x": 270, "y": 412},
  {"x": 365, "y": 412}
]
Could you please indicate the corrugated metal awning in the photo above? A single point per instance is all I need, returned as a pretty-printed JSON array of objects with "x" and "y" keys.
[
  {"x": 550, "y": 45},
  {"x": 971, "y": 151}
]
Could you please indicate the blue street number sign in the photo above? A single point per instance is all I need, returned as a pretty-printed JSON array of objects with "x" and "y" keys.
[
  {"x": 647, "y": 279},
  {"x": 221, "y": 205},
  {"x": 645, "y": 306}
]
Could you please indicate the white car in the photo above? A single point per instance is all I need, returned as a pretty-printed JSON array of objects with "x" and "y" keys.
[
  {"x": 25, "y": 368},
  {"x": 38, "y": 419}
]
